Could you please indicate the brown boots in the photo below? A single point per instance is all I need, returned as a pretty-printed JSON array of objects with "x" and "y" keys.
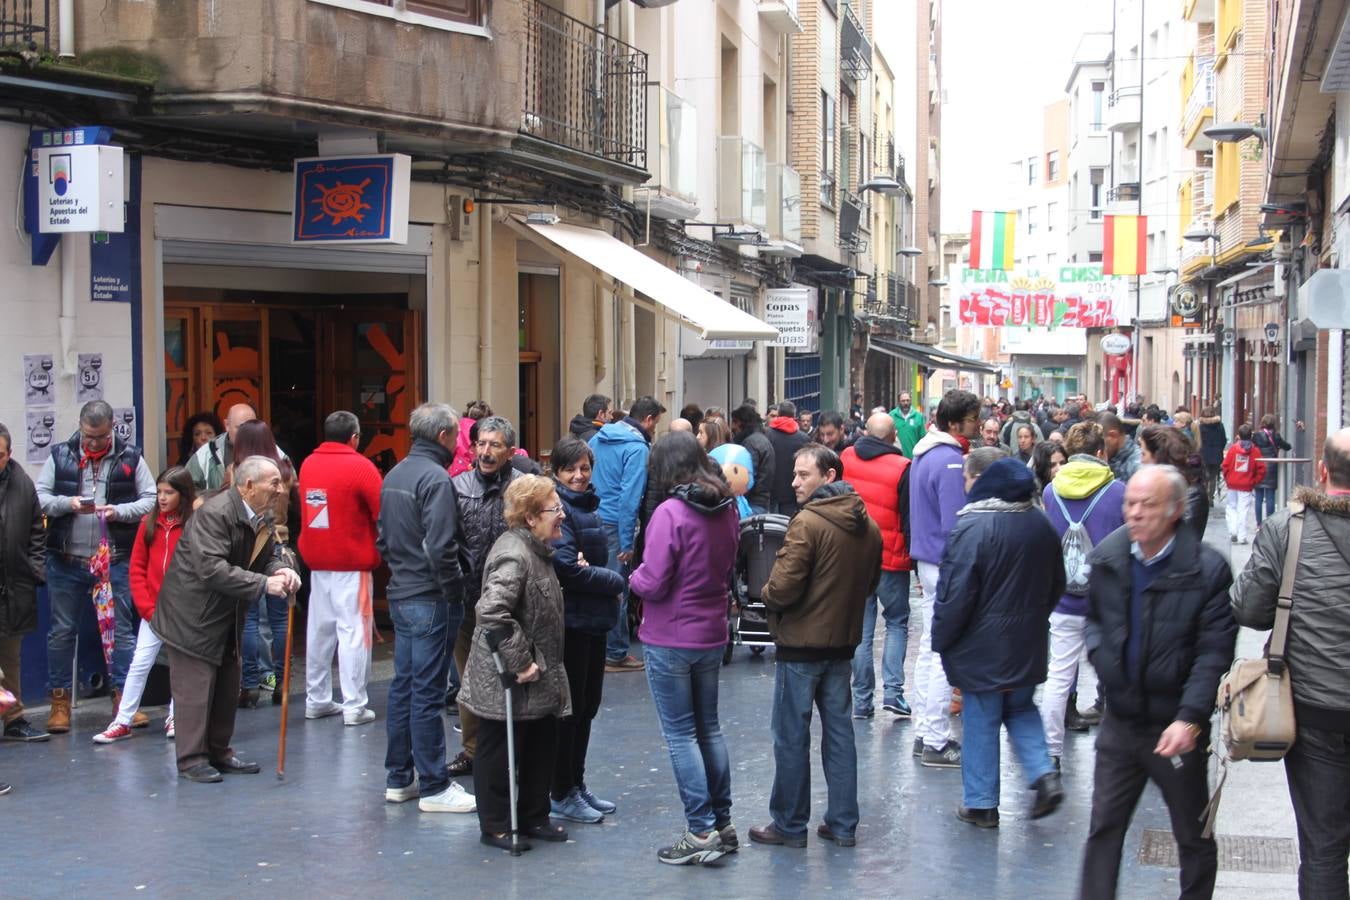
[
  {"x": 139, "y": 720},
  {"x": 58, "y": 720}
]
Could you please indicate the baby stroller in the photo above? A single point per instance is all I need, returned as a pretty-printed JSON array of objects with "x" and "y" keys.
[{"x": 748, "y": 619}]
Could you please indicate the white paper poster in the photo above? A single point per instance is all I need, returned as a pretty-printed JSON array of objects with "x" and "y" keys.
[
  {"x": 89, "y": 381},
  {"x": 124, "y": 423},
  {"x": 41, "y": 433},
  {"x": 788, "y": 310},
  {"x": 39, "y": 384}
]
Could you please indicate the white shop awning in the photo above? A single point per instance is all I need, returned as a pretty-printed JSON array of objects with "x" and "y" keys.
[{"x": 670, "y": 293}]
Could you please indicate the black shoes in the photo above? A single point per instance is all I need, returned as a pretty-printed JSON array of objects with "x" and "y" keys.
[
  {"x": 549, "y": 831},
  {"x": 1093, "y": 714},
  {"x": 22, "y": 730},
  {"x": 843, "y": 840},
  {"x": 1073, "y": 719},
  {"x": 248, "y": 698},
  {"x": 1049, "y": 795},
  {"x": 461, "y": 765},
  {"x": 202, "y": 773},
  {"x": 236, "y": 766},
  {"x": 980, "y": 818},
  {"x": 502, "y": 841}
]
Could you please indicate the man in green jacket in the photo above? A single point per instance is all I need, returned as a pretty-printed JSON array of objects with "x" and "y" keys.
[{"x": 909, "y": 424}]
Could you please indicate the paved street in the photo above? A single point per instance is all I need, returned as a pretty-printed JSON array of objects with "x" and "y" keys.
[{"x": 114, "y": 820}]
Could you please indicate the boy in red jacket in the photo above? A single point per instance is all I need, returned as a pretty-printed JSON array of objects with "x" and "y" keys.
[
  {"x": 340, "y": 497},
  {"x": 1242, "y": 472}
]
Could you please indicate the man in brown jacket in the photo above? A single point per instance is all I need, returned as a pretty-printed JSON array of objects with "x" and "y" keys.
[
  {"x": 223, "y": 562},
  {"x": 829, "y": 564}
]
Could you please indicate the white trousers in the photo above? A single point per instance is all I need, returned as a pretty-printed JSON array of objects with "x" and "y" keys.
[
  {"x": 147, "y": 649},
  {"x": 932, "y": 693},
  {"x": 1066, "y": 645},
  {"x": 1237, "y": 510},
  {"x": 339, "y": 619}
]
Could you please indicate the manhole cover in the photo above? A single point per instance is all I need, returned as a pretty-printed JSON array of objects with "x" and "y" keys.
[{"x": 1237, "y": 852}]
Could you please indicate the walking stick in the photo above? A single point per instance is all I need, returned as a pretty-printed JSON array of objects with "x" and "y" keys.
[
  {"x": 286, "y": 687},
  {"x": 493, "y": 639}
]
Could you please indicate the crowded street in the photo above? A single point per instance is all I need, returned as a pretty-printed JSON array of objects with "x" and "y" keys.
[{"x": 326, "y": 822}]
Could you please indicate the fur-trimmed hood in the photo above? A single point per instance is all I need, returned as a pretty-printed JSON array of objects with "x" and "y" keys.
[{"x": 1323, "y": 503}]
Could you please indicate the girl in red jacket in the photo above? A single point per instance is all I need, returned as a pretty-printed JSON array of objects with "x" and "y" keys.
[
  {"x": 1242, "y": 472},
  {"x": 150, "y": 555}
]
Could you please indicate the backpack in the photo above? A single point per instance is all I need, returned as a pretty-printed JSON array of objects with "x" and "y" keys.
[{"x": 1076, "y": 545}]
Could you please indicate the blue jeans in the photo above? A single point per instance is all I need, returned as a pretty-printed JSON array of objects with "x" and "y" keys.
[
  {"x": 69, "y": 587},
  {"x": 417, "y": 694},
  {"x": 893, "y": 596},
  {"x": 797, "y": 687},
  {"x": 985, "y": 712},
  {"x": 684, "y": 692},
  {"x": 257, "y": 659},
  {"x": 616, "y": 644},
  {"x": 1265, "y": 500}
]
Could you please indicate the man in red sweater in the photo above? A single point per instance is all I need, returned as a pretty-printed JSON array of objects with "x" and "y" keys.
[
  {"x": 876, "y": 468},
  {"x": 340, "y": 493}
]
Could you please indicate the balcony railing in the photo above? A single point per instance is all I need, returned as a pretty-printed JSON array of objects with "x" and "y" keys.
[
  {"x": 1122, "y": 108},
  {"x": 672, "y": 144},
  {"x": 583, "y": 89},
  {"x": 785, "y": 203},
  {"x": 850, "y": 218},
  {"x": 26, "y": 23},
  {"x": 1125, "y": 192},
  {"x": 1202, "y": 94},
  {"x": 743, "y": 182},
  {"x": 855, "y": 51},
  {"x": 780, "y": 15},
  {"x": 1202, "y": 193}
]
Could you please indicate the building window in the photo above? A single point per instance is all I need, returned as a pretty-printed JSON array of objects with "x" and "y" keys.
[
  {"x": 1098, "y": 101},
  {"x": 1052, "y": 166},
  {"x": 1033, "y": 219},
  {"x": 1097, "y": 178},
  {"x": 827, "y": 149},
  {"x": 466, "y": 12},
  {"x": 1051, "y": 211},
  {"x": 1094, "y": 256},
  {"x": 1031, "y": 170}
]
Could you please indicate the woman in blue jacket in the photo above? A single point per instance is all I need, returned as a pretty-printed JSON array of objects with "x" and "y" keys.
[{"x": 590, "y": 609}]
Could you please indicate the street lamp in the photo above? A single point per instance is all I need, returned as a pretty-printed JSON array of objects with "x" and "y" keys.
[
  {"x": 910, "y": 251},
  {"x": 938, "y": 283},
  {"x": 882, "y": 184},
  {"x": 1200, "y": 233},
  {"x": 1234, "y": 132}
]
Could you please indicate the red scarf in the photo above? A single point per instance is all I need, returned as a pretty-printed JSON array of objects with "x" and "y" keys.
[
  {"x": 94, "y": 456},
  {"x": 964, "y": 442}
]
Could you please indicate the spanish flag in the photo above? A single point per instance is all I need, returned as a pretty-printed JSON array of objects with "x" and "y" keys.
[
  {"x": 991, "y": 240},
  {"x": 1125, "y": 247}
]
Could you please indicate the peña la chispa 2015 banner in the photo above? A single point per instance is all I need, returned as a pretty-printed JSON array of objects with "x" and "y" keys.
[{"x": 1068, "y": 297}]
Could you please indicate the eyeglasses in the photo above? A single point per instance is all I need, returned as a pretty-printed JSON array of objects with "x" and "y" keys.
[
  {"x": 96, "y": 438},
  {"x": 554, "y": 510}
]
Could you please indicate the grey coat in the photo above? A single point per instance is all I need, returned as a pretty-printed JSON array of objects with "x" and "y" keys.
[
  {"x": 1318, "y": 649},
  {"x": 520, "y": 598}
]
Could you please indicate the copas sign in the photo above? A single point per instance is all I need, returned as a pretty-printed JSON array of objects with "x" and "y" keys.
[{"x": 1115, "y": 344}]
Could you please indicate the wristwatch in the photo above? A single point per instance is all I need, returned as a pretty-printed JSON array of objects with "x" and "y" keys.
[{"x": 1195, "y": 730}]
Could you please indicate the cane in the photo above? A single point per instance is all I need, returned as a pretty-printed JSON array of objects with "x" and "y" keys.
[
  {"x": 286, "y": 686},
  {"x": 494, "y": 639}
]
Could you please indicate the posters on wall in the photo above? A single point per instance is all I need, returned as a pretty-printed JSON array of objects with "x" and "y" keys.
[
  {"x": 124, "y": 423},
  {"x": 41, "y": 427},
  {"x": 89, "y": 379},
  {"x": 1068, "y": 297},
  {"x": 39, "y": 401}
]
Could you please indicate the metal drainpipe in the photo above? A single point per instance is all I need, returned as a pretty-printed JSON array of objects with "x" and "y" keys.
[
  {"x": 67, "y": 321},
  {"x": 65, "y": 18}
]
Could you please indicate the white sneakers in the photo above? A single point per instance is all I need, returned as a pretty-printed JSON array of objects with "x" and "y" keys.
[
  {"x": 362, "y": 716},
  {"x": 322, "y": 711},
  {"x": 401, "y": 794},
  {"x": 453, "y": 799}
]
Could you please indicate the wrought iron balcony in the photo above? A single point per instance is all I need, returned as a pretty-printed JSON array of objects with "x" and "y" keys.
[
  {"x": 850, "y": 218},
  {"x": 1125, "y": 192},
  {"x": 583, "y": 89},
  {"x": 855, "y": 51},
  {"x": 26, "y": 23}
]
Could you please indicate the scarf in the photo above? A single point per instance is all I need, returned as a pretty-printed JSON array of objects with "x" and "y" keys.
[{"x": 94, "y": 456}]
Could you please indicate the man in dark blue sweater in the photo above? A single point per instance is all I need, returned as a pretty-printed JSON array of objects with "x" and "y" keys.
[{"x": 1160, "y": 634}]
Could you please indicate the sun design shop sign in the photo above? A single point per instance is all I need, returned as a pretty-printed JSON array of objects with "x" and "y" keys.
[
  {"x": 352, "y": 200},
  {"x": 1069, "y": 297}
]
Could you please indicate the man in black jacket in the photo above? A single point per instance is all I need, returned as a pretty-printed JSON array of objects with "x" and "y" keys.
[
  {"x": 1160, "y": 634},
  {"x": 23, "y": 566},
  {"x": 747, "y": 429},
  {"x": 1002, "y": 574},
  {"x": 419, "y": 540},
  {"x": 786, "y": 438}
]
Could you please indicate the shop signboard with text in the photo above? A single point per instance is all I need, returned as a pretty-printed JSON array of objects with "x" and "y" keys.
[
  {"x": 1066, "y": 297},
  {"x": 793, "y": 312}
]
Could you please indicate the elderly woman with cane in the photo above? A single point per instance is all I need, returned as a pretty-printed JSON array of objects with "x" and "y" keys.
[{"x": 521, "y": 609}]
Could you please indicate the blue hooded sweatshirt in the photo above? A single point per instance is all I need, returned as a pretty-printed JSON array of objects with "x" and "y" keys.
[
  {"x": 937, "y": 489},
  {"x": 620, "y": 476}
]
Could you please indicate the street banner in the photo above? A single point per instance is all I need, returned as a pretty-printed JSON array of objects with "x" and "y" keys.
[{"x": 1069, "y": 297}]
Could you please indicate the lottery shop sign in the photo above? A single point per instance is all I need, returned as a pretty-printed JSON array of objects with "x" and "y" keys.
[{"x": 352, "y": 199}]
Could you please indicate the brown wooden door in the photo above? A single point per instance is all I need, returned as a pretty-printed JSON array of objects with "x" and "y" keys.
[{"x": 375, "y": 370}]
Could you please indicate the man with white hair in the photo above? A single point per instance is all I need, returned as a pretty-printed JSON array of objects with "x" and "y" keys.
[
  {"x": 1160, "y": 634},
  {"x": 222, "y": 563}
]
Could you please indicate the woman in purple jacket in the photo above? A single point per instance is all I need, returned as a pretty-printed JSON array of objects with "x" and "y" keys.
[{"x": 683, "y": 582}]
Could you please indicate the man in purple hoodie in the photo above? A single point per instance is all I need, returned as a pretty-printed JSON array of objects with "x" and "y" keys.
[
  {"x": 1085, "y": 493},
  {"x": 937, "y": 489}
]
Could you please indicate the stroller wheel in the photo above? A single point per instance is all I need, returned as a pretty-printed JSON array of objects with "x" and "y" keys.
[{"x": 758, "y": 651}]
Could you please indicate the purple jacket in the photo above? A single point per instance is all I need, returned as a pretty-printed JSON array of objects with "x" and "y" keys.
[
  {"x": 937, "y": 489},
  {"x": 686, "y": 570},
  {"x": 1107, "y": 516}
]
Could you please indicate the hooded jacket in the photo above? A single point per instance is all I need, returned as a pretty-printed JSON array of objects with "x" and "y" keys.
[
  {"x": 340, "y": 497},
  {"x": 828, "y": 566},
  {"x": 582, "y": 428},
  {"x": 909, "y": 429},
  {"x": 590, "y": 592},
  {"x": 1318, "y": 650},
  {"x": 1186, "y": 636},
  {"x": 937, "y": 489},
  {"x": 876, "y": 470},
  {"x": 1213, "y": 440},
  {"x": 766, "y": 467},
  {"x": 1269, "y": 442},
  {"x": 1078, "y": 483},
  {"x": 1002, "y": 574},
  {"x": 684, "y": 578},
  {"x": 1243, "y": 469},
  {"x": 1126, "y": 461},
  {"x": 149, "y": 563},
  {"x": 786, "y": 438},
  {"x": 1008, "y": 435},
  {"x": 620, "y": 476}
]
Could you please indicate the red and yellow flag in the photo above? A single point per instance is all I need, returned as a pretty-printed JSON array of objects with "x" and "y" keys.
[{"x": 1125, "y": 245}]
